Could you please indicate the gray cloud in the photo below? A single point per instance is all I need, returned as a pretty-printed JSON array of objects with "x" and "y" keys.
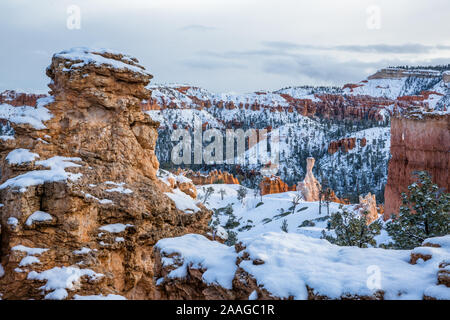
[
  {"x": 372, "y": 48},
  {"x": 201, "y": 63},
  {"x": 227, "y": 45}
]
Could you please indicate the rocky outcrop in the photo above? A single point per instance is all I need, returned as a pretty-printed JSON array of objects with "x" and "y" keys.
[
  {"x": 368, "y": 205},
  {"x": 344, "y": 144},
  {"x": 274, "y": 184},
  {"x": 417, "y": 143},
  {"x": 81, "y": 202},
  {"x": 212, "y": 177},
  {"x": 446, "y": 76},
  {"x": 309, "y": 187},
  {"x": 181, "y": 182},
  {"x": 15, "y": 98},
  {"x": 275, "y": 266},
  {"x": 397, "y": 73}
]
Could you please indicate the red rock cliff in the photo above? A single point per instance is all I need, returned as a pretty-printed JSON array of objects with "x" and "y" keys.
[{"x": 417, "y": 144}]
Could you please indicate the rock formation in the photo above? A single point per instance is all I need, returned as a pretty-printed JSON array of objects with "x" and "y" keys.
[
  {"x": 80, "y": 200},
  {"x": 309, "y": 187},
  {"x": 193, "y": 267},
  {"x": 345, "y": 145},
  {"x": 368, "y": 204},
  {"x": 420, "y": 142},
  {"x": 326, "y": 105},
  {"x": 214, "y": 176},
  {"x": 181, "y": 182},
  {"x": 397, "y": 73},
  {"x": 14, "y": 98},
  {"x": 274, "y": 184}
]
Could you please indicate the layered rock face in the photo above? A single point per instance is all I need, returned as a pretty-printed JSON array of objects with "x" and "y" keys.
[
  {"x": 274, "y": 184},
  {"x": 326, "y": 105},
  {"x": 309, "y": 187},
  {"x": 214, "y": 176},
  {"x": 417, "y": 143},
  {"x": 80, "y": 198},
  {"x": 396, "y": 73},
  {"x": 345, "y": 144},
  {"x": 19, "y": 98}
]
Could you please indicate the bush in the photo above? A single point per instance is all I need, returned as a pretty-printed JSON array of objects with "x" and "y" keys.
[
  {"x": 424, "y": 214},
  {"x": 351, "y": 229}
]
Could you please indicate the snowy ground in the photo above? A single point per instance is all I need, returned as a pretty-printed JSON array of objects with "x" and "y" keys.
[
  {"x": 293, "y": 262},
  {"x": 256, "y": 215}
]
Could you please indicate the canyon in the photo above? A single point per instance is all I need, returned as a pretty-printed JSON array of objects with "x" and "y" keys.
[{"x": 86, "y": 212}]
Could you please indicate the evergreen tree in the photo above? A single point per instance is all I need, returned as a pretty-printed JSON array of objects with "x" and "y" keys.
[
  {"x": 351, "y": 229},
  {"x": 284, "y": 226},
  {"x": 425, "y": 213},
  {"x": 241, "y": 193}
]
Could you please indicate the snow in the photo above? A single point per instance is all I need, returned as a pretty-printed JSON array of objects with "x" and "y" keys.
[
  {"x": 173, "y": 93},
  {"x": 20, "y": 156},
  {"x": 28, "y": 250},
  {"x": 388, "y": 88},
  {"x": 57, "y": 172},
  {"x": 197, "y": 252},
  {"x": 334, "y": 271},
  {"x": 38, "y": 216},
  {"x": 440, "y": 292},
  {"x": 119, "y": 188},
  {"x": 28, "y": 260},
  {"x": 61, "y": 278},
  {"x": 99, "y": 297},
  {"x": 5, "y": 138},
  {"x": 106, "y": 201},
  {"x": 293, "y": 262},
  {"x": 253, "y": 295},
  {"x": 83, "y": 250},
  {"x": 2, "y": 271},
  {"x": 83, "y": 56},
  {"x": 102, "y": 201},
  {"x": 12, "y": 221},
  {"x": 258, "y": 216},
  {"x": 34, "y": 116},
  {"x": 164, "y": 176},
  {"x": 115, "y": 228},
  {"x": 183, "y": 202},
  {"x": 441, "y": 241}
]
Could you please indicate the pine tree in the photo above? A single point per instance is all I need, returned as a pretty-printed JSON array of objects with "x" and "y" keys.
[
  {"x": 425, "y": 213},
  {"x": 351, "y": 229},
  {"x": 241, "y": 193},
  {"x": 284, "y": 226}
]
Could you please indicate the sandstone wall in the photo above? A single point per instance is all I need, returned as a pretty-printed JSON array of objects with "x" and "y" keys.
[{"x": 417, "y": 144}]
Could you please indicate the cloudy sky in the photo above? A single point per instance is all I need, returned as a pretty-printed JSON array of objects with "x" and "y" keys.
[{"x": 228, "y": 45}]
